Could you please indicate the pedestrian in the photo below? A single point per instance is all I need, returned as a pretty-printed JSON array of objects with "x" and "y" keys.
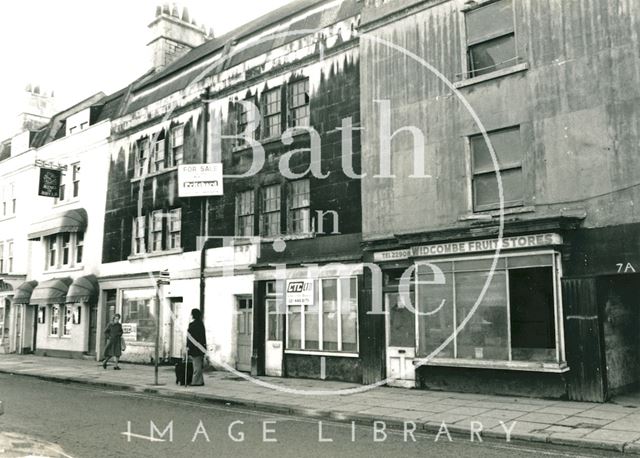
[
  {"x": 196, "y": 345},
  {"x": 113, "y": 333}
]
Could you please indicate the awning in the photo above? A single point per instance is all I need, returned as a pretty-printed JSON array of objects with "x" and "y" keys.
[
  {"x": 83, "y": 289},
  {"x": 69, "y": 221},
  {"x": 4, "y": 286},
  {"x": 51, "y": 291},
  {"x": 24, "y": 291}
]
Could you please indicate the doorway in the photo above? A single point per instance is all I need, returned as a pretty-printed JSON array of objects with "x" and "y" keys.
[
  {"x": 401, "y": 342},
  {"x": 244, "y": 332},
  {"x": 5, "y": 313},
  {"x": 176, "y": 334},
  {"x": 93, "y": 329}
]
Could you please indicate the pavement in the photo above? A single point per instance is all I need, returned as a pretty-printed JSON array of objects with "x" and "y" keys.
[{"x": 609, "y": 426}]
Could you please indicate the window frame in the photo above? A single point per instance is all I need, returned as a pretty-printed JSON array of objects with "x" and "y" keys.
[
  {"x": 292, "y": 110},
  {"x": 560, "y": 363},
  {"x": 138, "y": 234},
  {"x": 75, "y": 178},
  {"x": 294, "y": 209},
  {"x": 245, "y": 211},
  {"x": 55, "y": 313},
  {"x": 318, "y": 295},
  {"x": 267, "y": 114},
  {"x": 172, "y": 232},
  {"x": 468, "y": 44},
  {"x": 177, "y": 148},
  {"x": 57, "y": 254},
  {"x": 142, "y": 157},
  {"x": 264, "y": 214},
  {"x": 67, "y": 322},
  {"x": 156, "y": 231},
  {"x": 472, "y": 173}
]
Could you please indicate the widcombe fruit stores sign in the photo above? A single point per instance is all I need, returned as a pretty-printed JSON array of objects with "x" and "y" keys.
[{"x": 473, "y": 246}]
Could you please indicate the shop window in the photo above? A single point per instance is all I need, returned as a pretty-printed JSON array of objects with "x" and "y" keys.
[
  {"x": 156, "y": 230},
  {"x": 68, "y": 320},
  {"x": 299, "y": 202},
  {"x": 142, "y": 157},
  {"x": 54, "y": 327},
  {"x": 244, "y": 213},
  {"x": 138, "y": 313},
  {"x": 110, "y": 302},
  {"x": 175, "y": 228},
  {"x": 42, "y": 315},
  {"x": 270, "y": 211},
  {"x": 491, "y": 41},
  {"x": 138, "y": 235},
  {"x": 177, "y": 145},
  {"x": 514, "y": 321},
  {"x": 272, "y": 113},
  {"x": 299, "y": 103},
  {"x": 157, "y": 154},
  {"x": 75, "y": 175},
  {"x": 330, "y": 323},
  {"x": 79, "y": 247},
  {"x": 509, "y": 153},
  {"x": 77, "y": 314}
]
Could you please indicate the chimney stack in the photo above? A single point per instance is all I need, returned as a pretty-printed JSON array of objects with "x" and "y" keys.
[
  {"x": 37, "y": 107},
  {"x": 173, "y": 35}
]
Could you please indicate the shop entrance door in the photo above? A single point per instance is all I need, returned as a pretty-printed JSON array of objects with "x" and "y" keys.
[
  {"x": 273, "y": 345},
  {"x": 178, "y": 339},
  {"x": 93, "y": 328},
  {"x": 244, "y": 329},
  {"x": 5, "y": 313},
  {"x": 401, "y": 343},
  {"x": 17, "y": 329}
]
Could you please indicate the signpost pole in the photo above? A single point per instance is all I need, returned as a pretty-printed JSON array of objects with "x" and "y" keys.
[{"x": 157, "y": 350}]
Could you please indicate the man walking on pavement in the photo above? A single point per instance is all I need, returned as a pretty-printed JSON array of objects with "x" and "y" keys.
[{"x": 196, "y": 345}]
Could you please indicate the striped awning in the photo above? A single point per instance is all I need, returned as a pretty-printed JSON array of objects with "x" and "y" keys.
[
  {"x": 69, "y": 221},
  {"x": 24, "y": 291},
  {"x": 83, "y": 289},
  {"x": 51, "y": 291}
]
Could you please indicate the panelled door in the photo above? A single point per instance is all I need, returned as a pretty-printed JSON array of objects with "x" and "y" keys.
[
  {"x": 177, "y": 334},
  {"x": 401, "y": 344},
  {"x": 244, "y": 331}
]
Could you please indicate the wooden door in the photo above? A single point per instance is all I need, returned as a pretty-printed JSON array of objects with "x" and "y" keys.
[
  {"x": 93, "y": 328},
  {"x": 244, "y": 331}
]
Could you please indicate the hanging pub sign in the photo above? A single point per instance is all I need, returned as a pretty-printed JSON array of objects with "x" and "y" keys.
[{"x": 49, "y": 184}]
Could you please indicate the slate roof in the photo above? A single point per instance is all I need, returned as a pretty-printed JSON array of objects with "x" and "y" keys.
[{"x": 185, "y": 75}]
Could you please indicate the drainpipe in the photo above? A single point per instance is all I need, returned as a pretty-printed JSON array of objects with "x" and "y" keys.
[{"x": 204, "y": 209}]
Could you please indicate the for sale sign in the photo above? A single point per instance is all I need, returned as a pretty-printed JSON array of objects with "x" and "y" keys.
[
  {"x": 200, "y": 180},
  {"x": 300, "y": 292}
]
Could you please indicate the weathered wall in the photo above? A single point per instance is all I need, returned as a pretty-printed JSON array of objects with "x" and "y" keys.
[{"x": 577, "y": 106}]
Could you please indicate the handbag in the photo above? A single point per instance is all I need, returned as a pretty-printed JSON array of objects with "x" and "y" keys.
[{"x": 123, "y": 344}]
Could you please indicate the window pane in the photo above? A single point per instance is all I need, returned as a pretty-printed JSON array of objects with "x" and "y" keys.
[
  {"x": 492, "y": 55},
  {"x": 330, "y": 314},
  {"x": 311, "y": 330},
  {"x": 485, "y": 336},
  {"x": 532, "y": 314},
  {"x": 485, "y": 190},
  {"x": 435, "y": 304},
  {"x": 349, "y": 311},
  {"x": 138, "y": 308},
  {"x": 491, "y": 20},
  {"x": 506, "y": 144},
  {"x": 541, "y": 260},
  {"x": 275, "y": 319},
  {"x": 295, "y": 327}
]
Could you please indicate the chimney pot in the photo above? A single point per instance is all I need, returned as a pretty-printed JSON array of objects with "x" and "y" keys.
[
  {"x": 158, "y": 10},
  {"x": 175, "y": 12},
  {"x": 185, "y": 14}
]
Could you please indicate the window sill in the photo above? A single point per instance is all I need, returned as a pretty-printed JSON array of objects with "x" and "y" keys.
[
  {"x": 155, "y": 254},
  {"x": 555, "y": 368},
  {"x": 493, "y": 75},
  {"x": 64, "y": 203},
  {"x": 298, "y": 131},
  {"x": 490, "y": 214},
  {"x": 7, "y": 217},
  {"x": 63, "y": 270},
  {"x": 322, "y": 353},
  {"x": 154, "y": 174}
]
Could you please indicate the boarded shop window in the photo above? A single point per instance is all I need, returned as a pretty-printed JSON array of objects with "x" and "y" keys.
[
  {"x": 299, "y": 202},
  {"x": 515, "y": 318},
  {"x": 272, "y": 113},
  {"x": 270, "y": 214},
  {"x": 491, "y": 41},
  {"x": 330, "y": 323},
  {"x": 177, "y": 146},
  {"x": 138, "y": 314},
  {"x": 509, "y": 153},
  {"x": 244, "y": 213},
  {"x": 299, "y": 103},
  {"x": 175, "y": 228}
]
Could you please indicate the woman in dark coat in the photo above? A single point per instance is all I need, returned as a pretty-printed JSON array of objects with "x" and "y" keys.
[
  {"x": 197, "y": 344},
  {"x": 113, "y": 333}
]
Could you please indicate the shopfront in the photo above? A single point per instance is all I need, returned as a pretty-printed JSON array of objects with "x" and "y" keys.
[
  {"x": 310, "y": 321},
  {"x": 459, "y": 306}
]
